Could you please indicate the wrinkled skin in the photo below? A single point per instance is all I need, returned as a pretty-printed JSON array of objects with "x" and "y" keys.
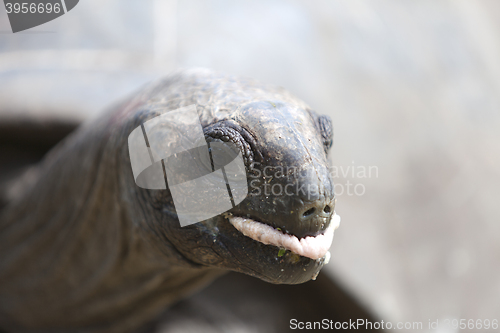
[{"x": 85, "y": 249}]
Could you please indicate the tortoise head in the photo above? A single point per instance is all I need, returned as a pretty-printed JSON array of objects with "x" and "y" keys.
[{"x": 278, "y": 223}]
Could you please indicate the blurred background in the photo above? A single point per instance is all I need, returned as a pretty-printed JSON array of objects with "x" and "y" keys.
[{"x": 413, "y": 90}]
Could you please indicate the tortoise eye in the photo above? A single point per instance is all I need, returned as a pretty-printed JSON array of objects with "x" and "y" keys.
[{"x": 326, "y": 130}]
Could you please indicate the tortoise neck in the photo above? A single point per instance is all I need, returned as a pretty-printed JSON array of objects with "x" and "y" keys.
[{"x": 72, "y": 256}]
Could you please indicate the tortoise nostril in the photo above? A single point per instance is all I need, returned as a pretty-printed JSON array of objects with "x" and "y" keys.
[
  {"x": 327, "y": 209},
  {"x": 309, "y": 212}
]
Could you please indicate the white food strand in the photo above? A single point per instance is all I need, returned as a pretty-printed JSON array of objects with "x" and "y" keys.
[{"x": 310, "y": 247}]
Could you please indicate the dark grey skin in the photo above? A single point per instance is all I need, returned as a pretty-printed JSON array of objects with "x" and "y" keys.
[{"x": 84, "y": 249}]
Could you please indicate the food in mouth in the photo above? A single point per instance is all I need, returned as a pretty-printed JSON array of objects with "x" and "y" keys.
[{"x": 311, "y": 247}]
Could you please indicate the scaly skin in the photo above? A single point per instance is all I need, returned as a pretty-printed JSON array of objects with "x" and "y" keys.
[{"x": 84, "y": 249}]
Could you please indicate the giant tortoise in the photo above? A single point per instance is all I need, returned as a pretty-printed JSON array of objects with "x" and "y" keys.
[{"x": 83, "y": 248}]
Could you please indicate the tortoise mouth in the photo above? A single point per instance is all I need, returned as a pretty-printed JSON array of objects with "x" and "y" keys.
[{"x": 313, "y": 247}]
